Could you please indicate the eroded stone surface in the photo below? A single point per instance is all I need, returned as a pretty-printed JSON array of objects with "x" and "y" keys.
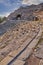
[
  {"x": 41, "y": 62},
  {"x": 39, "y": 49},
  {"x": 14, "y": 38},
  {"x": 18, "y": 62}
]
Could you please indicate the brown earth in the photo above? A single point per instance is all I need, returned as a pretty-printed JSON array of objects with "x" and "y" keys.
[{"x": 32, "y": 61}]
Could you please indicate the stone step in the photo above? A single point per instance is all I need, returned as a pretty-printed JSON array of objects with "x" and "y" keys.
[
  {"x": 35, "y": 41},
  {"x": 16, "y": 52},
  {"x": 18, "y": 62},
  {"x": 25, "y": 54},
  {"x": 13, "y": 54},
  {"x": 6, "y": 60}
]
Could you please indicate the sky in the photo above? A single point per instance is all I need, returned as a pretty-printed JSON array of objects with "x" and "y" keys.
[{"x": 8, "y": 6}]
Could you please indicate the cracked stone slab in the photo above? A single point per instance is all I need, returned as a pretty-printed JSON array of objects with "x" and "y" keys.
[
  {"x": 39, "y": 53},
  {"x": 41, "y": 62},
  {"x": 25, "y": 54},
  {"x": 18, "y": 62}
]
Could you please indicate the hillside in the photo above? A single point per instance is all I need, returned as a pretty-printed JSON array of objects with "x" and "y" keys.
[
  {"x": 27, "y": 12},
  {"x": 20, "y": 34}
]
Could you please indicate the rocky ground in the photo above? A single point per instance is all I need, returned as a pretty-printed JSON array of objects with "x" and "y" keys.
[
  {"x": 15, "y": 37},
  {"x": 37, "y": 57}
]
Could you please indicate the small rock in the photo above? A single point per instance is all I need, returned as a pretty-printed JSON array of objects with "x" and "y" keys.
[{"x": 41, "y": 62}]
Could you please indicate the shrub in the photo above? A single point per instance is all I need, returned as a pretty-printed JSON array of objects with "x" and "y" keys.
[{"x": 2, "y": 19}]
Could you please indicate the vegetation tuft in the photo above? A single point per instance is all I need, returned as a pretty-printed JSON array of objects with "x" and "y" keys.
[{"x": 2, "y": 19}]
